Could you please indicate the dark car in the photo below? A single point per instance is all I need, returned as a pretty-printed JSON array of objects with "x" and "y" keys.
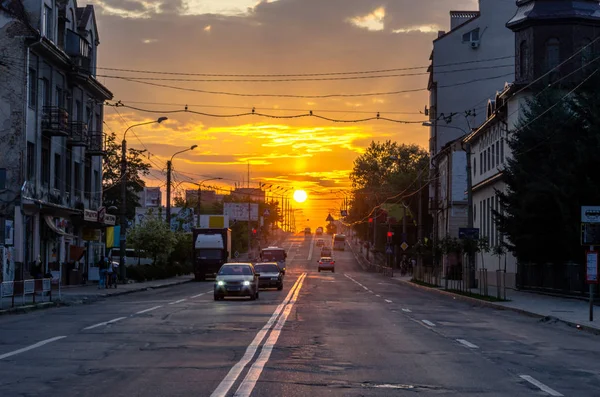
[
  {"x": 320, "y": 243},
  {"x": 271, "y": 275},
  {"x": 326, "y": 251},
  {"x": 327, "y": 263},
  {"x": 236, "y": 279}
]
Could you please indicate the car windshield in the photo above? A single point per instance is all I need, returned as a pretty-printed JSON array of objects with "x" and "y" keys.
[
  {"x": 267, "y": 268},
  {"x": 273, "y": 255},
  {"x": 325, "y": 259},
  {"x": 235, "y": 271}
]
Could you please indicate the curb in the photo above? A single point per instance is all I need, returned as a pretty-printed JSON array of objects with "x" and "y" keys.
[
  {"x": 500, "y": 307},
  {"x": 86, "y": 299}
]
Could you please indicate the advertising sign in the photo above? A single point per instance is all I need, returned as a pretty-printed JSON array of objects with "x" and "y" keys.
[
  {"x": 90, "y": 216},
  {"x": 239, "y": 211},
  {"x": 591, "y": 274},
  {"x": 590, "y": 214}
]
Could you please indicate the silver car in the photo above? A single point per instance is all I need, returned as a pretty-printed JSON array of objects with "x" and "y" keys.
[
  {"x": 236, "y": 279},
  {"x": 271, "y": 275}
]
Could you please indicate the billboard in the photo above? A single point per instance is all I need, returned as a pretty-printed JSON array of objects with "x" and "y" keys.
[
  {"x": 152, "y": 197},
  {"x": 239, "y": 211}
]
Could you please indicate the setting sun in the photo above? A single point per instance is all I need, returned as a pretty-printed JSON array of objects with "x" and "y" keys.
[{"x": 300, "y": 196}]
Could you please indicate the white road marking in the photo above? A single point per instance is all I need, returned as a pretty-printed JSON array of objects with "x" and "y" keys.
[
  {"x": 407, "y": 310},
  {"x": 253, "y": 374},
  {"x": 199, "y": 295},
  {"x": 365, "y": 287},
  {"x": 388, "y": 301},
  {"x": 234, "y": 373},
  {"x": 114, "y": 320},
  {"x": 148, "y": 310},
  {"x": 310, "y": 250},
  {"x": 371, "y": 292},
  {"x": 180, "y": 300},
  {"x": 467, "y": 344},
  {"x": 34, "y": 346},
  {"x": 540, "y": 385},
  {"x": 379, "y": 296},
  {"x": 428, "y": 323}
]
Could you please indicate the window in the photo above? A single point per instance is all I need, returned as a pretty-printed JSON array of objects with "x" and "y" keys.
[
  {"x": 489, "y": 159},
  {"x": 46, "y": 96},
  {"x": 77, "y": 176},
  {"x": 497, "y": 231},
  {"x": 47, "y": 23},
  {"x": 502, "y": 150},
  {"x": 484, "y": 215},
  {"x": 60, "y": 97},
  {"x": 492, "y": 223},
  {"x": 46, "y": 166},
  {"x": 488, "y": 225},
  {"x": 2, "y": 178},
  {"x": 57, "y": 169},
  {"x": 77, "y": 111},
  {"x": 474, "y": 213},
  {"x": 484, "y": 165},
  {"x": 97, "y": 186},
  {"x": 498, "y": 153},
  {"x": 552, "y": 53},
  {"x": 475, "y": 166},
  {"x": 481, "y": 215},
  {"x": 68, "y": 172},
  {"x": 493, "y": 155},
  {"x": 473, "y": 35},
  {"x": 481, "y": 163},
  {"x": 523, "y": 59},
  {"x": 32, "y": 87},
  {"x": 31, "y": 161},
  {"x": 87, "y": 180}
]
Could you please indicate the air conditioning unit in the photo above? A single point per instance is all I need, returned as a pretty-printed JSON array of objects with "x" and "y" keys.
[{"x": 475, "y": 44}]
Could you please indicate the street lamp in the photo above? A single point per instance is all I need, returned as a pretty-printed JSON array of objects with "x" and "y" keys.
[
  {"x": 169, "y": 164},
  {"x": 200, "y": 196},
  {"x": 122, "y": 237}
]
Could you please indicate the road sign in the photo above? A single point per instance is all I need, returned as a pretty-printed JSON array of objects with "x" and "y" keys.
[
  {"x": 329, "y": 218},
  {"x": 389, "y": 250},
  {"x": 267, "y": 212},
  {"x": 591, "y": 275},
  {"x": 468, "y": 233},
  {"x": 590, "y": 214},
  {"x": 344, "y": 213},
  {"x": 404, "y": 246},
  {"x": 236, "y": 255}
]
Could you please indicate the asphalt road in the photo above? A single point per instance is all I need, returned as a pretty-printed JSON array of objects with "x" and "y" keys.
[{"x": 347, "y": 333}]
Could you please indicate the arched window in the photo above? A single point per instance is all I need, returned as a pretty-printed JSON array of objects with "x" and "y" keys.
[
  {"x": 523, "y": 59},
  {"x": 552, "y": 53},
  {"x": 586, "y": 51},
  {"x": 72, "y": 16}
]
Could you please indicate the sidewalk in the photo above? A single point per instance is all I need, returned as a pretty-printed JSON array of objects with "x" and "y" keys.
[
  {"x": 574, "y": 312},
  {"x": 87, "y": 293}
]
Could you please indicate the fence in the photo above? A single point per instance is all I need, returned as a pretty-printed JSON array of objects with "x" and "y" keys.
[{"x": 24, "y": 289}]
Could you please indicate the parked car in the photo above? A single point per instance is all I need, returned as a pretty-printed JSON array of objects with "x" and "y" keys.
[
  {"x": 327, "y": 263},
  {"x": 236, "y": 279},
  {"x": 271, "y": 275}
]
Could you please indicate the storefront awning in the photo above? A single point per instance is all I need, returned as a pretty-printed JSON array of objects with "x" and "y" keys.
[{"x": 76, "y": 253}]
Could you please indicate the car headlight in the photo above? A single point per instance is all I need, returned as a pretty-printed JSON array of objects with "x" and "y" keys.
[
  {"x": 246, "y": 283},
  {"x": 220, "y": 283}
]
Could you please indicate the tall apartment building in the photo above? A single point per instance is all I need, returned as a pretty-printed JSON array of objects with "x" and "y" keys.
[{"x": 51, "y": 134}]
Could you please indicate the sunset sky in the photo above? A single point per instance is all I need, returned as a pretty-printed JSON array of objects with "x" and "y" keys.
[{"x": 268, "y": 37}]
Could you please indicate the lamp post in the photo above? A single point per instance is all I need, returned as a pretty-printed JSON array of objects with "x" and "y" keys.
[
  {"x": 199, "y": 208},
  {"x": 122, "y": 237},
  {"x": 169, "y": 164}
]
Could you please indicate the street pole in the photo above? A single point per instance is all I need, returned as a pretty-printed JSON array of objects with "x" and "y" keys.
[
  {"x": 169, "y": 164},
  {"x": 123, "y": 231},
  {"x": 420, "y": 217},
  {"x": 591, "y": 286},
  {"x": 199, "y": 205}
]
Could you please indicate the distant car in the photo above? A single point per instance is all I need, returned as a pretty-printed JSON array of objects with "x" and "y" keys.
[
  {"x": 320, "y": 242},
  {"x": 327, "y": 263},
  {"x": 271, "y": 275},
  {"x": 307, "y": 230},
  {"x": 326, "y": 251},
  {"x": 236, "y": 279},
  {"x": 319, "y": 231}
]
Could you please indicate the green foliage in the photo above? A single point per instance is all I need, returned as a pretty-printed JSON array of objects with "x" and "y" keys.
[
  {"x": 182, "y": 249},
  {"x": 158, "y": 271},
  {"x": 154, "y": 237},
  {"x": 553, "y": 171},
  {"x": 137, "y": 167}
]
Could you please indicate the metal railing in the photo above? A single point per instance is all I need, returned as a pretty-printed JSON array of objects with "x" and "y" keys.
[
  {"x": 55, "y": 121},
  {"x": 79, "y": 134},
  {"x": 25, "y": 288},
  {"x": 96, "y": 144}
]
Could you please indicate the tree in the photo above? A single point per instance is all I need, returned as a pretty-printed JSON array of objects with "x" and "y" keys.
[
  {"x": 137, "y": 167},
  {"x": 551, "y": 173},
  {"x": 153, "y": 237}
]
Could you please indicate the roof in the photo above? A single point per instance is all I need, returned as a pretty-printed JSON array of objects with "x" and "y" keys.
[
  {"x": 473, "y": 16},
  {"x": 530, "y": 11}
]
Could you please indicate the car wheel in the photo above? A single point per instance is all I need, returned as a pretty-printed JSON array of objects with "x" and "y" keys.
[
  {"x": 332, "y": 270},
  {"x": 319, "y": 270},
  {"x": 217, "y": 297},
  {"x": 252, "y": 296},
  {"x": 256, "y": 294},
  {"x": 280, "y": 287}
]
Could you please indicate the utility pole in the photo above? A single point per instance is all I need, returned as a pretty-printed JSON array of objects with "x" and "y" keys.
[
  {"x": 420, "y": 216},
  {"x": 249, "y": 217},
  {"x": 198, "y": 205},
  {"x": 169, "y": 164},
  {"x": 123, "y": 231},
  {"x": 470, "y": 214}
]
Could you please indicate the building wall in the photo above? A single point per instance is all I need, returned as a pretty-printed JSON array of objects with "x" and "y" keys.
[{"x": 496, "y": 41}]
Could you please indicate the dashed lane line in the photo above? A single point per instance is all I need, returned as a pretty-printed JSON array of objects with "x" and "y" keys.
[
  {"x": 388, "y": 301},
  {"x": 407, "y": 310},
  {"x": 31, "y": 347},
  {"x": 428, "y": 323},
  {"x": 148, "y": 310},
  {"x": 114, "y": 320},
  {"x": 540, "y": 385},
  {"x": 467, "y": 344}
]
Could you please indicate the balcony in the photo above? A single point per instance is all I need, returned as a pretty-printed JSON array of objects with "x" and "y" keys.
[
  {"x": 79, "y": 134},
  {"x": 55, "y": 121},
  {"x": 96, "y": 144},
  {"x": 78, "y": 48}
]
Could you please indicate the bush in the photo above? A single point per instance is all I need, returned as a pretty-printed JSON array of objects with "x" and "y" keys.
[{"x": 158, "y": 271}]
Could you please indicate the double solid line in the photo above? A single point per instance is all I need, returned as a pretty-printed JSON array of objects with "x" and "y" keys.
[{"x": 274, "y": 326}]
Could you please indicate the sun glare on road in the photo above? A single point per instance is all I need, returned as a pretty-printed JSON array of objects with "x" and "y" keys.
[{"x": 300, "y": 196}]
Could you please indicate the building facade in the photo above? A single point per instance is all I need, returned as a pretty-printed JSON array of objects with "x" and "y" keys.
[
  {"x": 51, "y": 136},
  {"x": 553, "y": 43},
  {"x": 468, "y": 64},
  {"x": 150, "y": 197}
]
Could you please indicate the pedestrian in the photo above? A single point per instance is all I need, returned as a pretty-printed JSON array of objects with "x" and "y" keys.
[
  {"x": 109, "y": 274},
  {"x": 101, "y": 270}
]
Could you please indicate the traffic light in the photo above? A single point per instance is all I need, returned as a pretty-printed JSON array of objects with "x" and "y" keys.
[
  {"x": 370, "y": 220},
  {"x": 389, "y": 236},
  {"x": 254, "y": 232}
]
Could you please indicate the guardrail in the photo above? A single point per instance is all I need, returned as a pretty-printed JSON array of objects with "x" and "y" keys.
[
  {"x": 370, "y": 265},
  {"x": 25, "y": 288}
]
